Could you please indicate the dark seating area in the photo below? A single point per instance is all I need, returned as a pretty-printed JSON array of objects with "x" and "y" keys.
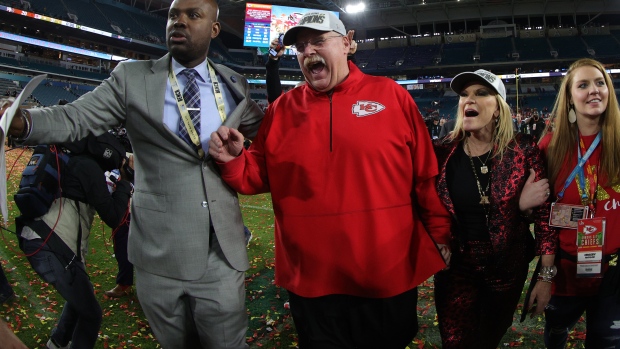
[
  {"x": 242, "y": 58},
  {"x": 104, "y": 15},
  {"x": 496, "y": 50},
  {"x": 603, "y": 45},
  {"x": 421, "y": 56},
  {"x": 387, "y": 58},
  {"x": 122, "y": 19},
  {"x": 49, "y": 95},
  {"x": 458, "y": 53},
  {"x": 532, "y": 49},
  {"x": 569, "y": 46},
  {"x": 89, "y": 14},
  {"x": 363, "y": 56},
  {"x": 52, "y": 8},
  {"x": 155, "y": 25}
]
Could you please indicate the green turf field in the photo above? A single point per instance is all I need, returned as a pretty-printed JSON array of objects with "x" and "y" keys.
[{"x": 34, "y": 311}]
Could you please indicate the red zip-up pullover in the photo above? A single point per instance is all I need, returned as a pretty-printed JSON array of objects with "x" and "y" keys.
[{"x": 352, "y": 177}]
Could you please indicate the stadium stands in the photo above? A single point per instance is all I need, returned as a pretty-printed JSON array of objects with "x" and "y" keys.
[
  {"x": 421, "y": 56},
  {"x": 458, "y": 53},
  {"x": 49, "y": 95},
  {"x": 532, "y": 49},
  {"x": 400, "y": 57},
  {"x": 387, "y": 58},
  {"x": 496, "y": 50},
  {"x": 569, "y": 46},
  {"x": 52, "y": 8},
  {"x": 153, "y": 24},
  {"x": 122, "y": 20},
  {"x": 89, "y": 14},
  {"x": 603, "y": 45}
]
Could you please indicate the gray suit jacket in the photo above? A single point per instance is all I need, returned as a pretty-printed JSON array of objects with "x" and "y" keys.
[{"x": 176, "y": 194}]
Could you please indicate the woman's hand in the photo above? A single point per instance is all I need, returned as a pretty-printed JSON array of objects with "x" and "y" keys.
[
  {"x": 446, "y": 254},
  {"x": 534, "y": 193},
  {"x": 541, "y": 294}
]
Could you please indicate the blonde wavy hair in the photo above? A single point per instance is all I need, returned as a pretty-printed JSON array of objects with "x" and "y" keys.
[
  {"x": 503, "y": 133},
  {"x": 564, "y": 135}
]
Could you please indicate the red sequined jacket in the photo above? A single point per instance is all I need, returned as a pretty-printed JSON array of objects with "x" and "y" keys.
[{"x": 507, "y": 228}]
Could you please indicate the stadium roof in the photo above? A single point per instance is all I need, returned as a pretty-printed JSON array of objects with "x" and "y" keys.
[{"x": 417, "y": 17}]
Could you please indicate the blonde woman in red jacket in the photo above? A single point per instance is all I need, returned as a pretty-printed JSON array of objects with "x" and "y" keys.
[{"x": 484, "y": 169}]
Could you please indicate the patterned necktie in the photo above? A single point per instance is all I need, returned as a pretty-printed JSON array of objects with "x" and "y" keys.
[{"x": 191, "y": 95}]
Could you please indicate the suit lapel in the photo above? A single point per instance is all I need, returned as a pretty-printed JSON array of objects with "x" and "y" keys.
[
  {"x": 156, "y": 84},
  {"x": 156, "y": 88}
]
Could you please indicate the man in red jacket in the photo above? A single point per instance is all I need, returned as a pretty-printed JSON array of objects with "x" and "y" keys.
[{"x": 351, "y": 170}]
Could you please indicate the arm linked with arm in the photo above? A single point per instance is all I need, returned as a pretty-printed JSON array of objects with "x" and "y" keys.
[{"x": 431, "y": 210}]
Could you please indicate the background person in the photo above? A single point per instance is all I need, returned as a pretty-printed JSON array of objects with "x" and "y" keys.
[
  {"x": 484, "y": 168},
  {"x": 350, "y": 248},
  {"x": 537, "y": 125},
  {"x": 186, "y": 239},
  {"x": 120, "y": 235},
  {"x": 434, "y": 128},
  {"x": 56, "y": 243},
  {"x": 447, "y": 127},
  {"x": 585, "y": 108},
  {"x": 6, "y": 291}
]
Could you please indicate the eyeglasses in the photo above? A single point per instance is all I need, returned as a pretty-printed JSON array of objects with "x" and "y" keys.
[{"x": 318, "y": 43}]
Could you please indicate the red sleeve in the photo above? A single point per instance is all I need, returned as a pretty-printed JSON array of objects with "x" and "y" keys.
[
  {"x": 247, "y": 174},
  {"x": 431, "y": 211}
]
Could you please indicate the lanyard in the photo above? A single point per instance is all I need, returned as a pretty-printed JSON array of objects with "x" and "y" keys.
[
  {"x": 581, "y": 162},
  {"x": 187, "y": 120},
  {"x": 588, "y": 180}
]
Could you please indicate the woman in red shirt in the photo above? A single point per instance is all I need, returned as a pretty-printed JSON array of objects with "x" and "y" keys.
[{"x": 587, "y": 127}]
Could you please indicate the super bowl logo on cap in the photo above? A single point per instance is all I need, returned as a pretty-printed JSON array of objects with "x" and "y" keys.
[
  {"x": 487, "y": 76},
  {"x": 312, "y": 18}
]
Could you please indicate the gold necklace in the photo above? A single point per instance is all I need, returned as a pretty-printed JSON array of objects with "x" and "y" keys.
[
  {"x": 484, "y": 198},
  {"x": 483, "y": 169}
]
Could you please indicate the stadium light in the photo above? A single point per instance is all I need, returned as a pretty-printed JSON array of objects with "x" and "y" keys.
[{"x": 360, "y": 7}]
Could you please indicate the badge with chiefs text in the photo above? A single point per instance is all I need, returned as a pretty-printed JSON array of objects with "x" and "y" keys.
[{"x": 590, "y": 243}]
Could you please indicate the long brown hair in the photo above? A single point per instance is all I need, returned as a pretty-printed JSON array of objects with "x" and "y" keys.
[{"x": 564, "y": 140}]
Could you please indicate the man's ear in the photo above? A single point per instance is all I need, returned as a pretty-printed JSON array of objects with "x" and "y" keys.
[
  {"x": 215, "y": 30},
  {"x": 347, "y": 43}
]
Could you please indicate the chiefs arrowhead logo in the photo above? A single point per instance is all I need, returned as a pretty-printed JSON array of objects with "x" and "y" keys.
[
  {"x": 365, "y": 108},
  {"x": 589, "y": 229}
]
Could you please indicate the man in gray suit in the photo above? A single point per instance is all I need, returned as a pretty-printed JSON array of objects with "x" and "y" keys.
[{"x": 186, "y": 237}]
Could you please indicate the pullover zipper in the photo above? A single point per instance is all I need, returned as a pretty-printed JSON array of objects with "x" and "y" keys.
[{"x": 329, "y": 95}]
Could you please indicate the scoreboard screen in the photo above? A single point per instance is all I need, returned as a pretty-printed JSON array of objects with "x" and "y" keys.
[{"x": 263, "y": 22}]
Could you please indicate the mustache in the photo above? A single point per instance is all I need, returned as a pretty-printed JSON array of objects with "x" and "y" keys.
[{"x": 313, "y": 60}]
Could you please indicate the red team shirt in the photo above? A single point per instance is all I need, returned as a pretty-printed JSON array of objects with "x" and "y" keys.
[
  {"x": 352, "y": 178},
  {"x": 608, "y": 205}
]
